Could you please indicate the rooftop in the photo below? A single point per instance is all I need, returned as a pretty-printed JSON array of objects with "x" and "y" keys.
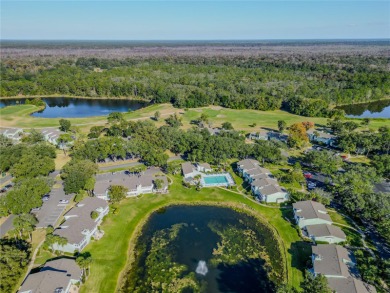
[
  {"x": 309, "y": 209},
  {"x": 79, "y": 219},
  {"x": 350, "y": 285},
  {"x": 54, "y": 274},
  {"x": 331, "y": 259},
  {"x": 323, "y": 230},
  {"x": 187, "y": 168}
]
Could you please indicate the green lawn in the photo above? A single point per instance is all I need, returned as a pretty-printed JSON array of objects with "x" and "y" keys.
[
  {"x": 19, "y": 116},
  {"x": 110, "y": 253}
]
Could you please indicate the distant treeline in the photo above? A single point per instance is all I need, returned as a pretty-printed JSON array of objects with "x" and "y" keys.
[{"x": 302, "y": 85}]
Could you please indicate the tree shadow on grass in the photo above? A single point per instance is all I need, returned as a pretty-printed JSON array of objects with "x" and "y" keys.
[
  {"x": 301, "y": 255},
  {"x": 247, "y": 276}
]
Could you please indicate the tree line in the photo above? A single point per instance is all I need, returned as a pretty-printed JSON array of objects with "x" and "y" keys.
[{"x": 302, "y": 86}]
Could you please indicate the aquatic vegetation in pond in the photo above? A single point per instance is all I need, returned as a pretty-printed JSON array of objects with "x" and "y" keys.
[{"x": 205, "y": 249}]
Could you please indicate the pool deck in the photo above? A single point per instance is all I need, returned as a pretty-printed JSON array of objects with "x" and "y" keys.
[{"x": 227, "y": 175}]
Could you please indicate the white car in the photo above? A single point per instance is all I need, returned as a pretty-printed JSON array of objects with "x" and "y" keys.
[
  {"x": 64, "y": 201},
  {"x": 35, "y": 209}
]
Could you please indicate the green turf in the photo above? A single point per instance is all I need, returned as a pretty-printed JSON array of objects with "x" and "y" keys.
[
  {"x": 110, "y": 253},
  {"x": 19, "y": 116}
]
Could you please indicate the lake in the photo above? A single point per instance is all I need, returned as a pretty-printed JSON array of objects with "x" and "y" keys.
[
  {"x": 76, "y": 108},
  {"x": 204, "y": 249},
  {"x": 378, "y": 109}
]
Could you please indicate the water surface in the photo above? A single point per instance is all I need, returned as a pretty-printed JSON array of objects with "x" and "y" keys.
[
  {"x": 77, "y": 108},
  {"x": 193, "y": 247},
  {"x": 378, "y": 109}
]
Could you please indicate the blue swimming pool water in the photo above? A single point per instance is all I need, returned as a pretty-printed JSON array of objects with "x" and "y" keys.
[{"x": 215, "y": 180}]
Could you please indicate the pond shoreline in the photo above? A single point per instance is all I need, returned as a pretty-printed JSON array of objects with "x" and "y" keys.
[
  {"x": 240, "y": 208},
  {"x": 76, "y": 97}
]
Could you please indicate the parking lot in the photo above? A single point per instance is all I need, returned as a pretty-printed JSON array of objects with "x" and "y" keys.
[{"x": 51, "y": 209}]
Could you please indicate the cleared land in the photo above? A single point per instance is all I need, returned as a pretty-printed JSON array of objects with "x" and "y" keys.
[
  {"x": 19, "y": 116},
  {"x": 120, "y": 232}
]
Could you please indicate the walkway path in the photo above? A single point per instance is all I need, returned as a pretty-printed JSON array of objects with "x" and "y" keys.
[{"x": 31, "y": 264}]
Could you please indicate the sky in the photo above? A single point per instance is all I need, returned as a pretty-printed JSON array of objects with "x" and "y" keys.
[{"x": 194, "y": 20}]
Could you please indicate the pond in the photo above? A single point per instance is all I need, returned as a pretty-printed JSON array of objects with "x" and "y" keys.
[
  {"x": 378, "y": 109},
  {"x": 205, "y": 249},
  {"x": 76, "y": 108}
]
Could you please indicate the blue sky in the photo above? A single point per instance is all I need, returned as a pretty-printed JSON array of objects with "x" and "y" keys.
[{"x": 194, "y": 20}]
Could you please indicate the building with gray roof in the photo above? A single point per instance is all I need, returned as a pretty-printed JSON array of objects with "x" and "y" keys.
[
  {"x": 331, "y": 260},
  {"x": 12, "y": 133},
  {"x": 350, "y": 285},
  {"x": 338, "y": 265},
  {"x": 136, "y": 184},
  {"x": 56, "y": 276},
  {"x": 309, "y": 212},
  {"x": 325, "y": 233},
  {"x": 79, "y": 225}
]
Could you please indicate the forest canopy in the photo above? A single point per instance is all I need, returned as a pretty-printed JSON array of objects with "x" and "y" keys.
[{"x": 302, "y": 85}]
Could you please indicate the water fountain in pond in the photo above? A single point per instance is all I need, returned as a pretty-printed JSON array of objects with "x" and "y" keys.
[{"x": 202, "y": 269}]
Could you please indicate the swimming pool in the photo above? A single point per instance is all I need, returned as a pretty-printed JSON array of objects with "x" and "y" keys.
[{"x": 224, "y": 179}]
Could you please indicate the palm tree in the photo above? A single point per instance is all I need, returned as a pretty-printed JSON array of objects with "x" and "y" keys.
[{"x": 84, "y": 261}]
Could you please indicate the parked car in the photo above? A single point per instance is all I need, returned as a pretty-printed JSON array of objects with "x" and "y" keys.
[
  {"x": 311, "y": 185},
  {"x": 307, "y": 175},
  {"x": 3, "y": 190},
  {"x": 8, "y": 186},
  {"x": 64, "y": 201},
  {"x": 46, "y": 197},
  {"x": 35, "y": 209}
]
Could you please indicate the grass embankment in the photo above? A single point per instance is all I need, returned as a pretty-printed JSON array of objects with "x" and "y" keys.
[
  {"x": 111, "y": 253},
  {"x": 19, "y": 116}
]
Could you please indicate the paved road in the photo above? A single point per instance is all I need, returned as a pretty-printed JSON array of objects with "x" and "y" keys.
[
  {"x": 131, "y": 164},
  {"x": 51, "y": 210},
  {"x": 6, "y": 226},
  {"x": 5, "y": 179},
  {"x": 371, "y": 234}
]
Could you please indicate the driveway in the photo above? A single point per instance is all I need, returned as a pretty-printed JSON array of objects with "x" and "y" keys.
[
  {"x": 5, "y": 179},
  {"x": 6, "y": 226},
  {"x": 51, "y": 210}
]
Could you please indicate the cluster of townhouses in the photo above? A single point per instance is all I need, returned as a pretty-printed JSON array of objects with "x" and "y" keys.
[
  {"x": 315, "y": 222},
  {"x": 136, "y": 184},
  {"x": 263, "y": 185},
  {"x": 58, "y": 276},
  {"x": 81, "y": 224},
  {"x": 333, "y": 261},
  {"x": 50, "y": 135},
  {"x": 12, "y": 133},
  {"x": 315, "y": 136}
]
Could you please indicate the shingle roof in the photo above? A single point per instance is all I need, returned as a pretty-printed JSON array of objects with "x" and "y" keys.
[
  {"x": 80, "y": 219},
  {"x": 323, "y": 230},
  {"x": 248, "y": 164},
  {"x": 187, "y": 168},
  {"x": 264, "y": 182},
  {"x": 55, "y": 274},
  {"x": 205, "y": 165},
  {"x": 309, "y": 209},
  {"x": 331, "y": 260},
  {"x": 129, "y": 181},
  {"x": 271, "y": 189},
  {"x": 350, "y": 285}
]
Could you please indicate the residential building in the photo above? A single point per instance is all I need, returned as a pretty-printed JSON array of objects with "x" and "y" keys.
[
  {"x": 79, "y": 225},
  {"x": 136, "y": 184},
  {"x": 12, "y": 133},
  {"x": 245, "y": 165},
  {"x": 338, "y": 265},
  {"x": 319, "y": 136},
  {"x": 191, "y": 170},
  {"x": 263, "y": 185},
  {"x": 51, "y": 135},
  {"x": 325, "y": 233},
  {"x": 277, "y": 136},
  {"x": 56, "y": 276},
  {"x": 261, "y": 135},
  {"x": 310, "y": 213},
  {"x": 332, "y": 261},
  {"x": 350, "y": 285}
]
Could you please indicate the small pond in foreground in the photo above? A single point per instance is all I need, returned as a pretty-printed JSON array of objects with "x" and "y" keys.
[
  {"x": 378, "y": 109},
  {"x": 204, "y": 249},
  {"x": 77, "y": 108}
]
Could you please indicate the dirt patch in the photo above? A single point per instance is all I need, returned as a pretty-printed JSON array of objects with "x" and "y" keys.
[{"x": 221, "y": 116}]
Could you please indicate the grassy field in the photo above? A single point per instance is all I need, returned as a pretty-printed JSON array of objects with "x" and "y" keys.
[
  {"x": 110, "y": 254},
  {"x": 19, "y": 116}
]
